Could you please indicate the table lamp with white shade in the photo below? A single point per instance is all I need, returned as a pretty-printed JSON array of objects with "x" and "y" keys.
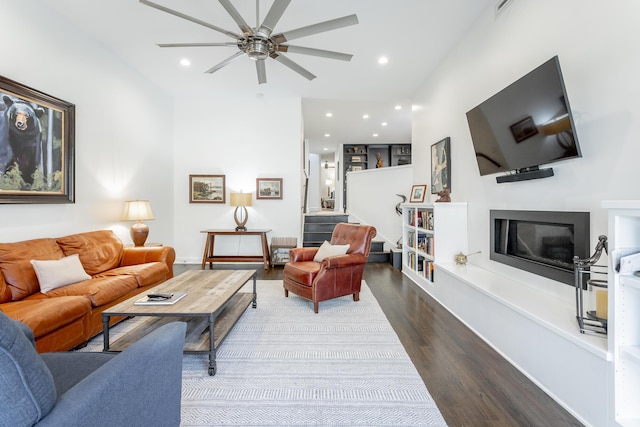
[{"x": 138, "y": 210}]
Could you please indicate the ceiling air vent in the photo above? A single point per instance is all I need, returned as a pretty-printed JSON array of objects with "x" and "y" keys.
[{"x": 502, "y": 5}]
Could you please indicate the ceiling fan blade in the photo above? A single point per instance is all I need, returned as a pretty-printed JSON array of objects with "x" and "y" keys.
[
  {"x": 273, "y": 16},
  {"x": 320, "y": 27},
  {"x": 196, "y": 44},
  {"x": 262, "y": 71},
  {"x": 231, "y": 10},
  {"x": 227, "y": 61},
  {"x": 189, "y": 18},
  {"x": 295, "y": 67},
  {"x": 315, "y": 52}
]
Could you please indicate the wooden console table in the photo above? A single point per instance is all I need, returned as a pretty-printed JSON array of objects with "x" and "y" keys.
[{"x": 209, "y": 257}]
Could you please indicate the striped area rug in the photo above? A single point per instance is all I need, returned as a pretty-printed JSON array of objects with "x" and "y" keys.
[{"x": 284, "y": 365}]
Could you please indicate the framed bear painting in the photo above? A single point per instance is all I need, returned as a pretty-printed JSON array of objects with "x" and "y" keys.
[{"x": 37, "y": 158}]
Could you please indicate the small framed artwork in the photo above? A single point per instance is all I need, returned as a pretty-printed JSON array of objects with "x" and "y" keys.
[
  {"x": 417, "y": 193},
  {"x": 207, "y": 189},
  {"x": 441, "y": 166},
  {"x": 37, "y": 146},
  {"x": 524, "y": 129},
  {"x": 269, "y": 188}
]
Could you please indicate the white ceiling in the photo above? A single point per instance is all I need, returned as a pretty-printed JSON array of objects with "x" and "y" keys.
[{"x": 413, "y": 34}]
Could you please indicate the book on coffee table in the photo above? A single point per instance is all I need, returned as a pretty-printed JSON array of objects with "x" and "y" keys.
[{"x": 165, "y": 299}]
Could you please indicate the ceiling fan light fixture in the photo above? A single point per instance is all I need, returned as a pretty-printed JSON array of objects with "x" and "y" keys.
[
  {"x": 258, "y": 43},
  {"x": 257, "y": 49}
]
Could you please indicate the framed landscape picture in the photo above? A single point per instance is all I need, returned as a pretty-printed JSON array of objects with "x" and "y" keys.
[
  {"x": 441, "y": 166},
  {"x": 269, "y": 188},
  {"x": 37, "y": 146},
  {"x": 417, "y": 193},
  {"x": 206, "y": 189}
]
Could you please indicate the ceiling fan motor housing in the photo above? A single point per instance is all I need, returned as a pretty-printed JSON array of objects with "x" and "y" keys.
[{"x": 256, "y": 47}]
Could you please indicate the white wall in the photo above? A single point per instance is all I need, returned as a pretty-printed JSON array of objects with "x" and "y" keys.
[
  {"x": 123, "y": 128},
  {"x": 593, "y": 41},
  {"x": 208, "y": 141},
  {"x": 372, "y": 198},
  {"x": 133, "y": 141}
]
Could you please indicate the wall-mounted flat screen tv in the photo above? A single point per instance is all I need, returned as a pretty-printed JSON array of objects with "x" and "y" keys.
[{"x": 525, "y": 125}]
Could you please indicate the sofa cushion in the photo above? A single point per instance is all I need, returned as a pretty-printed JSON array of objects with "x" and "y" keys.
[
  {"x": 327, "y": 249},
  {"x": 99, "y": 250},
  {"x": 99, "y": 290},
  {"x": 27, "y": 390},
  {"x": 150, "y": 273},
  {"x": 5, "y": 290},
  {"x": 46, "y": 315},
  {"x": 53, "y": 274},
  {"x": 16, "y": 268},
  {"x": 302, "y": 272}
]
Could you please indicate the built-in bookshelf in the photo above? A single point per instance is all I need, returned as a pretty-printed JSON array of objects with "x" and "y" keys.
[
  {"x": 431, "y": 233},
  {"x": 624, "y": 307}
]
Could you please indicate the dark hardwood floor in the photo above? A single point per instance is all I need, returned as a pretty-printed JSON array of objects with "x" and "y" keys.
[{"x": 471, "y": 383}]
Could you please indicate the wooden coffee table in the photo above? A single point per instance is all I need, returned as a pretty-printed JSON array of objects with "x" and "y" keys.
[{"x": 211, "y": 307}]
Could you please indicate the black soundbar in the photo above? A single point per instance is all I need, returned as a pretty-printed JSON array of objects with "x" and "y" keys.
[{"x": 525, "y": 175}]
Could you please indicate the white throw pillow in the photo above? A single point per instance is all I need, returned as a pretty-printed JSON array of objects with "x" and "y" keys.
[
  {"x": 327, "y": 249},
  {"x": 54, "y": 274}
]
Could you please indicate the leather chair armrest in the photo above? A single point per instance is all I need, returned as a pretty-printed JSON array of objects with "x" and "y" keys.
[
  {"x": 347, "y": 260},
  {"x": 140, "y": 255},
  {"x": 302, "y": 254}
]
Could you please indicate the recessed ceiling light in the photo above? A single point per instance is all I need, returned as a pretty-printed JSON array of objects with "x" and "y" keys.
[
  {"x": 185, "y": 62},
  {"x": 329, "y": 114},
  {"x": 325, "y": 149},
  {"x": 365, "y": 116},
  {"x": 327, "y": 135},
  {"x": 383, "y": 123},
  {"x": 375, "y": 135},
  {"x": 398, "y": 107},
  {"x": 383, "y": 60}
]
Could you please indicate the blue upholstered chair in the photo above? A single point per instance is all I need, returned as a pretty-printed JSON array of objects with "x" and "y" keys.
[{"x": 139, "y": 387}]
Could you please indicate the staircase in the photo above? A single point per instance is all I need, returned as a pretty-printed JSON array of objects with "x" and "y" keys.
[{"x": 318, "y": 228}]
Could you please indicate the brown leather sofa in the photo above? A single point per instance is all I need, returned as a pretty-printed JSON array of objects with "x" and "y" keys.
[
  {"x": 68, "y": 316},
  {"x": 335, "y": 276}
]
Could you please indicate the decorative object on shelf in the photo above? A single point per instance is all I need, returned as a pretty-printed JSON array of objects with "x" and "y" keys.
[
  {"x": 356, "y": 159},
  {"x": 207, "y": 189},
  {"x": 269, "y": 188},
  {"x": 590, "y": 321},
  {"x": 399, "y": 204},
  {"x": 240, "y": 201},
  {"x": 379, "y": 161},
  {"x": 417, "y": 193},
  {"x": 25, "y": 116},
  {"x": 356, "y": 168},
  {"x": 138, "y": 211},
  {"x": 441, "y": 166},
  {"x": 443, "y": 196},
  {"x": 461, "y": 259}
]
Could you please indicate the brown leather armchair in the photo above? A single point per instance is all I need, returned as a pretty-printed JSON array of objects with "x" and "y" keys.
[{"x": 335, "y": 276}]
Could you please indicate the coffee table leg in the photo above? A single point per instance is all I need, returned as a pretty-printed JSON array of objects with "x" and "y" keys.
[
  {"x": 254, "y": 304},
  {"x": 105, "y": 332},
  {"x": 212, "y": 347}
]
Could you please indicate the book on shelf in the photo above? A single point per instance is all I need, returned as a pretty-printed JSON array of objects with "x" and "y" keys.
[
  {"x": 356, "y": 159},
  {"x": 168, "y": 298}
]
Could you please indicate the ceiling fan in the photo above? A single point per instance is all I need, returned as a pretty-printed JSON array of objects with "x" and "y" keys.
[{"x": 260, "y": 43}]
